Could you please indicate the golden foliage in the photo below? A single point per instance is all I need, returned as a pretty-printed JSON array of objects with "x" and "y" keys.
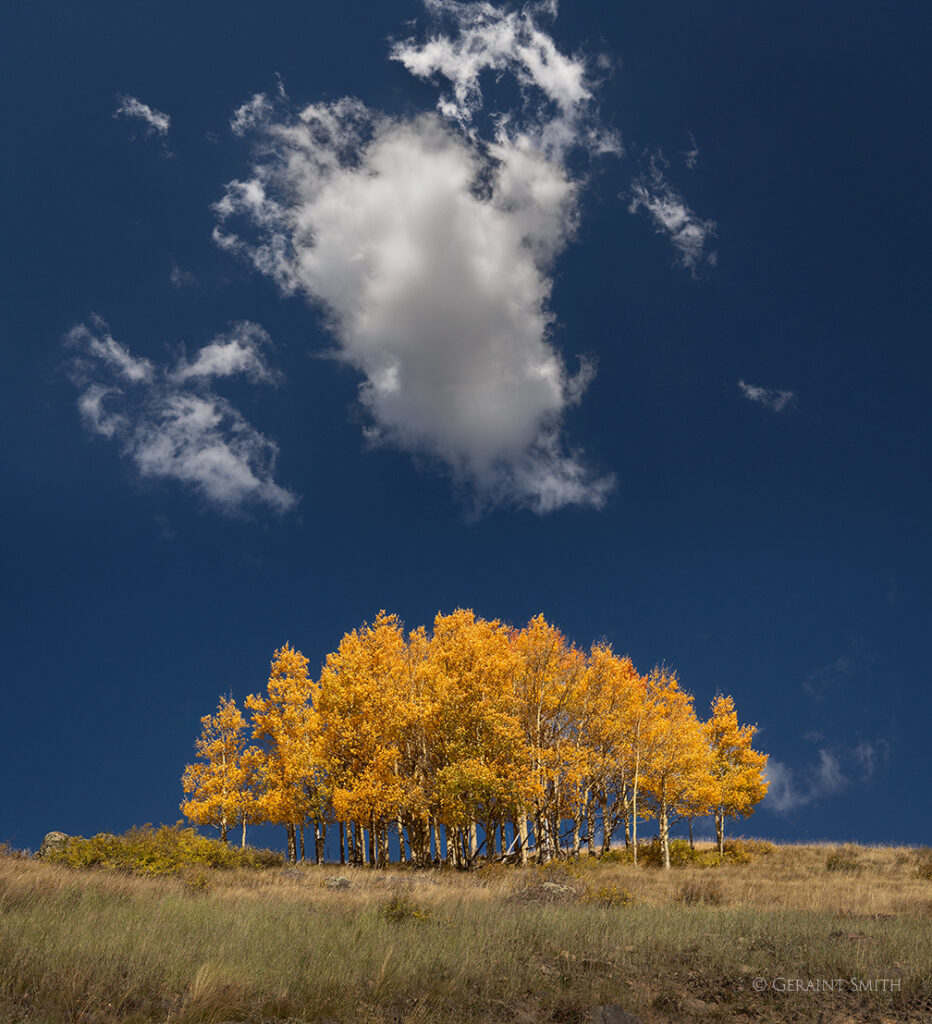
[{"x": 430, "y": 733}]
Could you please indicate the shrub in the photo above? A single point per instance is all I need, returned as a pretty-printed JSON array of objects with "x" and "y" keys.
[
  {"x": 844, "y": 859},
  {"x": 194, "y": 880},
  {"x": 924, "y": 863},
  {"x": 681, "y": 855},
  {"x": 561, "y": 872},
  {"x": 609, "y": 894},
  {"x": 743, "y": 851},
  {"x": 625, "y": 856},
  {"x": 167, "y": 850},
  {"x": 399, "y": 909}
]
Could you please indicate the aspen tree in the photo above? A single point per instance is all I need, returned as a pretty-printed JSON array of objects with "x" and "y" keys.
[
  {"x": 677, "y": 773},
  {"x": 737, "y": 769},
  {"x": 547, "y": 686},
  {"x": 281, "y": 723},
  {"x": 357, "y": 715},
  {"x": 220, "y": 787}
]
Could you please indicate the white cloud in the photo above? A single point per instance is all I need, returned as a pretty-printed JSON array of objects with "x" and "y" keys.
[
  {"x": 429, "y": 248},
  {"x": 99, "y": 345},
  {"x": 491, "y": 39},
  {"x": 789, "y": 791},
  {"x": 671, "y": 216},
  {"x": 240, "y": 350},
  {"x": 154, "y": 120},
  {"x": 170, "y": 424},
  {"x": 837, "y": 767},
  {"x": 769, "y": 397}
]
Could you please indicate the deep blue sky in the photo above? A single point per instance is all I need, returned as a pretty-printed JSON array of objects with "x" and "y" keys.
[{"x": 775, "y": 548}]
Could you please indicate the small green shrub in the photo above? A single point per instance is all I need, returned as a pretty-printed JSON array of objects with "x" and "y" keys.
[
  {"x": 924, "y": 863},
  {"x": 167, "y": 850}
]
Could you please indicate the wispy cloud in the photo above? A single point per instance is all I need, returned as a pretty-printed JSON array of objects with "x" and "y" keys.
[
  {"x": 671, "y": 216},
  {"x": 430, "y": 247},
  {"x": 824, "y": 682},
  {"x": 769, "y": 397},
  {"x": 691, "y": 155},
  {"x": 792, "y": 790},
  {"x": 180, "y": 278},
  {"x": 168, "y": 421},
  {"x": 156, "y": 121},
  {"x": 837, "y": 766},
  {"x": 240, "y": 350}
]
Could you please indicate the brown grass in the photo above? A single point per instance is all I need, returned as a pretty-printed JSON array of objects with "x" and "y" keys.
[{"x": 94, "y": 947}]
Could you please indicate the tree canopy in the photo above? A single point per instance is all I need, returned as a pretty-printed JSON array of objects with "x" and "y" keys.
[{"x": 450, "y": 738}]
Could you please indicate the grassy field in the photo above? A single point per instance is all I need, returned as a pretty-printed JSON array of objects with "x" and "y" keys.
[{"x": 498, "y": 944}]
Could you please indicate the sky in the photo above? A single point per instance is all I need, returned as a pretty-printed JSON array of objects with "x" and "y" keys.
[{"x": 615, "y": 313}]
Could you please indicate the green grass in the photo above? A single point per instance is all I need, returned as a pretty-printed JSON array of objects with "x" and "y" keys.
[{"x": 103, "y": 947}]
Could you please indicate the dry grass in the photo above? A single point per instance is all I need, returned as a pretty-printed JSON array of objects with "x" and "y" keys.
[{"x": 93, "y": 947}]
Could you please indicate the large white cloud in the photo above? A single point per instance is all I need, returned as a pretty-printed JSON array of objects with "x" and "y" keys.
[
  {"x": 170, "y": 423},
  {"x": 430, "y": 248}
]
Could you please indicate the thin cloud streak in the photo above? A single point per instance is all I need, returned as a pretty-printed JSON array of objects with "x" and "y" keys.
[
  {"x": 771, "y": 398},
  {"x": 155, "y": 120}
]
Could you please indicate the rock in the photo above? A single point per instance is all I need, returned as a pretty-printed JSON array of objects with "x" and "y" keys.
[
  {"x": 52, "y": 841},
  {"x": 612, "y": 1015},
  {"x": 337, "y": 882},
  {"x": 693, "y": 1005},
  {"x": 556, "y": 890}
]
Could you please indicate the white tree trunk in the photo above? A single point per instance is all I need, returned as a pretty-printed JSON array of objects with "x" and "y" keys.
[{"x": 665, "y": 834}]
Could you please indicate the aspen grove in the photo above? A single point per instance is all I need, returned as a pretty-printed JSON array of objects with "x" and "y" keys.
[{"x": 473, "y": 740}]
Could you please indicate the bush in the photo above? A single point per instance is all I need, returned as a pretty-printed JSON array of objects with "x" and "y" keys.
[
  {"x": 625, "y": 856},
  {"x": 681, "y": 855},
  {"x": 743, "y": 851},
  {"x": 924, "y": 863},
  {"x": 167, "y": 850},
  {"x": 194, "y": 880},
  {"x": 561, "y": 872},
  {"x": 399, "y": 909},
  {"x": 844, "y": 859},
  {"x": 609, "y": 894}
]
